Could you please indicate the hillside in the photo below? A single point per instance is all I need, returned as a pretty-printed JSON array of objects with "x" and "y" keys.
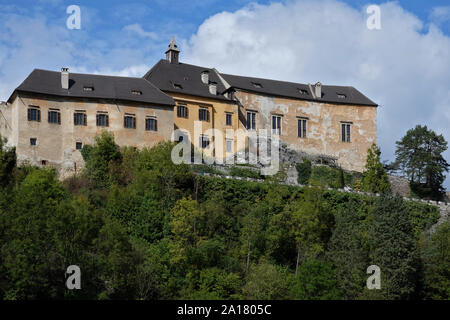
[{"x": 140, "y": 227}]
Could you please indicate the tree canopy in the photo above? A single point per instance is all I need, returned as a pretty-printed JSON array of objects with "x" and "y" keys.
[{"x": 419, "y": 156}]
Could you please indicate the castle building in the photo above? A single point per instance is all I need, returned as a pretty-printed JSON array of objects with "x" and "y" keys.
[{"x": 51, "y": 115}]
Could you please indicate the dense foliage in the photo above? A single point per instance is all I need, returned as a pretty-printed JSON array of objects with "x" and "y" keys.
[
  {"x": 419, "y": 156},
  {"x": 141, "y": 227},
  {"x": 375, "y": 179}
]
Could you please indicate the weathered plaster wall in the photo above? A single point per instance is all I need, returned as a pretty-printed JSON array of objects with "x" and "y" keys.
[
  {"x": 323, "y": 126},
  {"x": 6, "y": 128},
  {"x": 56, "y": 144}
]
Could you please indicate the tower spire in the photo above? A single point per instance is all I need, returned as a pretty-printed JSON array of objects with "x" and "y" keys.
[{"x": 172, "y": 52}]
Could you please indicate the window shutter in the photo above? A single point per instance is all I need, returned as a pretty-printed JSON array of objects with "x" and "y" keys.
[
  {"x": 84, "y": 119},
  {"x": 107, "y": 120},
  {"x": 59, "y": 117},
  {"x": 156, "y": 125},
  {"x": 38, "y": 115},
  {"x": 29, "y": 114},
  {"x": 96, "y": 119}
]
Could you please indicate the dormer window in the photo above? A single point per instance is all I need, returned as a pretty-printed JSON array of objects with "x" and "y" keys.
[
  {"x": 177, "y": 86},
  {"x": 136, "y": 92},
  {"x": 88, "y": 88},
  {"x": 303, "y": 92},
  {"x": 257, "y": 85},
  {"x": 341, "y": 96}
]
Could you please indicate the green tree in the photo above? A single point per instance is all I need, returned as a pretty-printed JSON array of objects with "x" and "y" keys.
[
  {"x": 436, "y": 258},
  {"x": 251, "y": 231},
  {"x": 185, "y": 225},
  {"x": 267, "y": 282},
  {"x": 347, "y": 251},
  {"x": 211, "y": 284},
  {"x": 298, "y": 224},
  {"x": 304, "y": 170},
  {"x": 393, "y": 248},
  {"x": 316, "y": 280},
  {"x": 117, "y": 262},
  {"x": 100, "y": 158},
  {"x": 374, "y": 177},
  {"x": 45, "y": 232},
  {"x": 419, "y": 156},
  {"x": 7, "y": 162}
]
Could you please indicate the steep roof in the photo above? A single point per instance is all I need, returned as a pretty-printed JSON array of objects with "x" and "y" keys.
[
  {"x": 331, "y": 94},
  {"x": 184, "y": 78},
  {"x": 104, "y": 87}
]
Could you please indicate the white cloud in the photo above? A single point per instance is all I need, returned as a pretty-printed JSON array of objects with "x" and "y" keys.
[
  {"x": 440, "y": 14},
  {"x": 137, "y": 28},
  {"x": 403, "y": 67},
  {"x": 131, "y": 71}
]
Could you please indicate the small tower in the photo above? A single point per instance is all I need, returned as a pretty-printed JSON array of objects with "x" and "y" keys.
[{"x": 172, "y": 52}]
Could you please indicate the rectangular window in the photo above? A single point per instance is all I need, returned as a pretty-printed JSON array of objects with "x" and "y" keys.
[
  {"x": 229, "y": 118},
  {"x": 346, "y": 132},
  {"x": 102, "y": 120},
  {"x": 80, "y": 118},
  {"x": 54, "y": 116},
  {"x": 182, "y": 111},
  {"x": 204, "y": 142},
  {"x": 78, "y": 146},
  {"x": 251, "y": 120},
  {"x": 301, "y": 128},
  {"x": 34, "y": 114},
  {"x": 151, "y": 124},
  {"x": 203, "y": 114},
  {"x": 276, "y": 125},
  {"x": 33, "y": 141},
  {"x": 229, "y": 145},
  {"x": 129, "y": 121}
]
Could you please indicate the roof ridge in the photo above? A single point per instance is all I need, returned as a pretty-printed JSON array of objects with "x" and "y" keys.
[
  {"x": 284, "y": 81},
  {"x": 89, "y": 74}
]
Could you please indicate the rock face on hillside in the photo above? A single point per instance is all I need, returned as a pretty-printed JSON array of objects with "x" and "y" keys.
[{"x": 400, "y": 186}]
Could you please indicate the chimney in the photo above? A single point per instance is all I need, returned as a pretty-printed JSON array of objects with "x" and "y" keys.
[
  {"x": 318, "y": 90},
  {"x": 213, "y": 88},
  {"x": 65, "y": 78},
  {"x": 205, "y": 77}
]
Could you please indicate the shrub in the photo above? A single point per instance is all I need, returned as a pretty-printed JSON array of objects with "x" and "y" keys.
[
  {"x": 304, "y": 171},
  {"x": 245, "y": 173}
]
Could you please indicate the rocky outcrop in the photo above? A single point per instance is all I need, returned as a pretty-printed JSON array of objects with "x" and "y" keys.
[{"x": 400, "y": 186}]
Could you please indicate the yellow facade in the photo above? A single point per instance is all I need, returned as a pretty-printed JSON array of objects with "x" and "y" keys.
[{"x": 218, "y": 110}]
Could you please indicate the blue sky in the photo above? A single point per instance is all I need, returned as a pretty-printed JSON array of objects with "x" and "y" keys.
[{"x": 404, "y": 66}]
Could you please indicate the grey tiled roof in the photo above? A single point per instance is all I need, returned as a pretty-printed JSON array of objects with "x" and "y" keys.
[
  {"x": 166, "y": 75},
  {"x": 331, "y": 94},
  {"x": 104, "y": 87}
]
